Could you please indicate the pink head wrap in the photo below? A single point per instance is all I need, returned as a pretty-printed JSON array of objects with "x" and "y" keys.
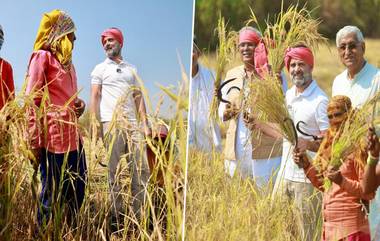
[
  {"x": 261, "y": 59},
  {"x": 300, "y": 53},
  {"x": 248, "y": 35},
  {"x": 113, "y": 33}
]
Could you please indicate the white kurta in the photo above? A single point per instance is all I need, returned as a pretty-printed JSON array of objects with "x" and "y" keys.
[
  {"x": 261, "y": 170},
  {"x": 203, "y": 134}
]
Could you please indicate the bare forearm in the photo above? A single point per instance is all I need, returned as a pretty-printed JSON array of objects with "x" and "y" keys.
[
  {"x": 371, "y": 177},
  {"x": 269, "y": 129}
]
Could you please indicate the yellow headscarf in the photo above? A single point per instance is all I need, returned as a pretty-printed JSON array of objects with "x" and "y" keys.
[{"x": 52, "y": 35}]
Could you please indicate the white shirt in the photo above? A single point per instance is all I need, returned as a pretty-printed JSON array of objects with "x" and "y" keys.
[
  {"x": 310, "y": 106},
  {"x": 364, "y": 85},
  {"x": 203, "y": 134},
  {"x": 117, "y": 81}
]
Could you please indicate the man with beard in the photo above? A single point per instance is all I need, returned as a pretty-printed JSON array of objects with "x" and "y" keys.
[
  {"x": 117, "y": 102},
  {"x": 360, "y": 81},
  {"x": 308, "y": 103}
]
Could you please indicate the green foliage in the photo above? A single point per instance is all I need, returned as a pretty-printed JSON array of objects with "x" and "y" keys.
[{"x": 333, "y": 13}]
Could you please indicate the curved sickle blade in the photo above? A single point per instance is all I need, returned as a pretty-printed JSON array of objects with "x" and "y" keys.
[
  {"x": 315, "y": 138},
  {"x": 294, "y": 130},
  {"x": 220, "y": 96}
]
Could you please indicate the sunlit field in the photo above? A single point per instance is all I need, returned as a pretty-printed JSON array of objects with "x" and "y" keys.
[
  {"x": 20, "y": 185},
  {"x": 223, "y": 208}
]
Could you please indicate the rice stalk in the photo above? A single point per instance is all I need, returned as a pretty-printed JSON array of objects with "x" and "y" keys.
[
  {"x": 350, "y": 134},
  {"x": 290, "y": 28},
  {"x": 267, "y": 103},
  {"x": 225, "y": 54}
]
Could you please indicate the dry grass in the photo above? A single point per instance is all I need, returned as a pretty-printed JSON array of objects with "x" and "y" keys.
[
  {"x": 225, "y": 53},
  {"x": 161, "y": 218},
  {"x": 224, "y": 208}
]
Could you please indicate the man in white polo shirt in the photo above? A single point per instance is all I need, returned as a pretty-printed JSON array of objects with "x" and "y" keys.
[
  {"x": 117, "y": 101},
  {"x": 308, "y": 103},
  {"x": 360, "y": 81}
]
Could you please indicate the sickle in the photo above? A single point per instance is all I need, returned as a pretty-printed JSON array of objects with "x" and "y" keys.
[
  {"x": 304, "y": 133},
  {"x": 294, "y": 130},
  {"x": 220, "y": 96}
]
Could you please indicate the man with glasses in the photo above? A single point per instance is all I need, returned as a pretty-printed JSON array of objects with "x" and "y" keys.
[
  {"x": 360, "y": 81},
  {"x": 255, "y": 156}
]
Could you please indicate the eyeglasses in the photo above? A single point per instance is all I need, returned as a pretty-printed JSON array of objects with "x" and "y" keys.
[
  {"x": 349, "y": 46},
  {"x": 334, "y": 115}
]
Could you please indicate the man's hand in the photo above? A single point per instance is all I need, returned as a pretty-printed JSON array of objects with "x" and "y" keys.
[
  {"x": 300, "y": 159},
  {"x": 230, "y": 112},
  {"x": 303, "y": 144},
  {"x": 334, "y": 174},
  {"x": 249, "y": 121},
  {"x": 373, "y": 145},
  {"x": 79, "y": 107}
]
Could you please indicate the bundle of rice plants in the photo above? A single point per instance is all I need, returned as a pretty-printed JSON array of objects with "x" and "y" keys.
[
  {"x": 225, "y": 54},
  {"x": 290, "y": 28},
  {"x": 267, "y": 103},
  {"x": 352, "y": 131}
]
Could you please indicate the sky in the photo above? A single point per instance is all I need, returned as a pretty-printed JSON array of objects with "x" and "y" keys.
[{"x": 155, "y": 34}]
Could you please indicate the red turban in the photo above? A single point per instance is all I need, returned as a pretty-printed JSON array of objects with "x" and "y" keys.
[
  {"x": 300, "y": 53},
  {"x": 113, "y": 33},
  {"x": 248, "y": 35}
]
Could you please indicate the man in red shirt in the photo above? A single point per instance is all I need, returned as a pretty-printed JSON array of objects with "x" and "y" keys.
[{"x": 6, "y": 76}]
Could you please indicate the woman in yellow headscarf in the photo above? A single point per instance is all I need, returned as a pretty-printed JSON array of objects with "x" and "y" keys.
[
  {"x": 51, "y": 80},
  {"x": 53, "y": 35}
]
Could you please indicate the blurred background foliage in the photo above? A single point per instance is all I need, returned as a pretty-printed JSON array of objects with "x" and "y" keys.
[{"x": 334, "y": 14}]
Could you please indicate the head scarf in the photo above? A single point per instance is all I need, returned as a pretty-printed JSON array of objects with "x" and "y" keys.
[
  {"x": 261, "y": 59},
  {"x": 300, "y": 53},
  {"x": 338, "y": 104},
  {"x": 114, "y": 33},
  {"x": 248, "y": 35},
  {"x": 1, "y": 36},
  {"x": 52, "y": 36}
]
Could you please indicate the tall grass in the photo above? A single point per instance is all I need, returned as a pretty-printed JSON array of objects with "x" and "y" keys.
[
  {"x": 223, "y": 208},
  {"x": 225, "y": 53},
  {"x": 290, "y": 28},
  {"x": 19, "y": 183}
]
